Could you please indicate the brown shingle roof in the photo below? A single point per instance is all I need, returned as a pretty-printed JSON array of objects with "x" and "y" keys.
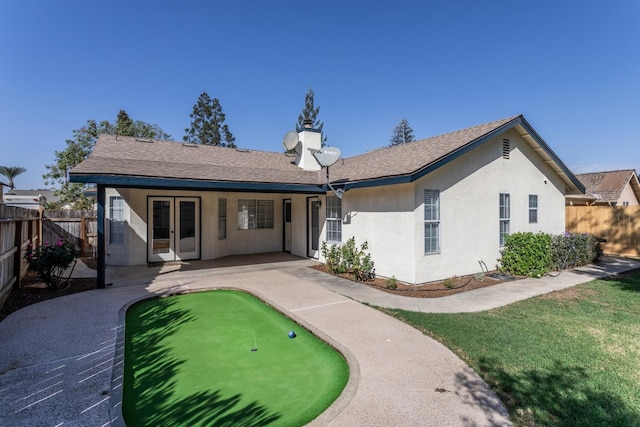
[
  {"x": 162, "y": 159},
  {"x": 411, "y": 157},
  {"x": 115, "y": 160},
  {"x": 605, "y": 186}
]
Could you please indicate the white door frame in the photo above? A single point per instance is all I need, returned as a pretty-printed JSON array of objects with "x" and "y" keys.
[
  {"x": 169, "y": 246},
  {"x": 313, "y": 226}
]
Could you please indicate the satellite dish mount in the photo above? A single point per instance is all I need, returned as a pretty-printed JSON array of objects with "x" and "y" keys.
[{"x": 327, "y": 156}]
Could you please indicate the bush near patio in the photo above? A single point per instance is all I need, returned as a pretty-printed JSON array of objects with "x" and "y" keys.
[
  {"x": 348, "y": 259},
  {"x": 50, "y": 261},
  {"x": 534, "y": 255}
]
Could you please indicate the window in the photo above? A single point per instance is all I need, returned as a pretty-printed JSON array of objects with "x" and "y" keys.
[
  {"x": 254, "y": 214},
  {"x": 431, "y": 221},
  {"x": 222, "y": 219},
  {"x": 116, "y": 219},
  {"x": 625, "y": 203},
  {"x": 334, "y": 219},
  {"x": 505, "y": 212},
  {"x": 533, "y": 209}
]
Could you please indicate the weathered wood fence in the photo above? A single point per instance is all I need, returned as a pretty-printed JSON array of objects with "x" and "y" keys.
[
  {"x": 619, "y": 226},
  {"x": 77, "y": 227},
  {"x": 18, "y": 228}
]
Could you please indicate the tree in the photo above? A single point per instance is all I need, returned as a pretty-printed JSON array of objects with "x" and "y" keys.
[
  {"x": 310, "y": 114},
  {"x": 124, "y": 124},
  {"x": 81, "y": 145},
  {"x": 10, "y": 172},
  {"x": 402, "y": 133},
  {"x": 207, "y": 124}
]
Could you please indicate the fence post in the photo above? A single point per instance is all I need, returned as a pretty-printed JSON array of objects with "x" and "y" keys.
[{"x": 17, "y": 256}]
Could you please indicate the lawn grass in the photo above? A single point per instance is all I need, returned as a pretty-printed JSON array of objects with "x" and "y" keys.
[
  {"x": 189, "y": 362},
  {"x": 570, "y": 358}
]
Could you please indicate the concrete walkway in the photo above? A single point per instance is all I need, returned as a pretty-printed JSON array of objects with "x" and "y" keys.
[{"x": 57, "y": 356}]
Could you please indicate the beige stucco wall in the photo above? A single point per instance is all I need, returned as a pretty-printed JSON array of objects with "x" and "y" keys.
[
  {"x": 383, "y": 217},
  {"x": 627, "y": 195},
  {"x": 469, "y": 206},
  {"x": 134, "y": 249},
  {"x": 391, "y": 218}
]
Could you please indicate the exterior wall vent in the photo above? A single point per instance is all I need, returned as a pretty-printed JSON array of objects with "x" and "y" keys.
[{"x": 506, "y": 148}]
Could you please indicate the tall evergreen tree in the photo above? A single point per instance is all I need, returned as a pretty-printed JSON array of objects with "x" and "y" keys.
[
  {"x": 81, "y": 145},
  {"x": 207, "y": 124},
  {"x": 310, "y": 113},
  {"x": 402, "y": 133},
  {"x": 124, "y": 124}
]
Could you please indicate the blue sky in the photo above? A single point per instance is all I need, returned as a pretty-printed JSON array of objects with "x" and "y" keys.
[{"x": 571, "y": 67}]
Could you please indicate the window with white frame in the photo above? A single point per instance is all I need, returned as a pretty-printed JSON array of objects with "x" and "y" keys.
[
  {"x": 222, "y": 219},
  {"x": 334, "y": 219},
  {"x": 116, "y": 220},
  {"x": 431, "y": 221},
  {"x": 505, "y": 216},
  {"x": 254, "y": 214},
  {"x": 533, "y": 209}
]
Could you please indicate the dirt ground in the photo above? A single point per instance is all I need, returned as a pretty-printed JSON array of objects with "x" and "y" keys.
[
  {"x": 33, "y": 291},
  {"x": 439, "y": 289}
]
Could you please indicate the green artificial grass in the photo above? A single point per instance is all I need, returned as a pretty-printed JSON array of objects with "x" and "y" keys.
[
  {"x": 188, "y": 362},
  {"x": 570, "y": 358}
]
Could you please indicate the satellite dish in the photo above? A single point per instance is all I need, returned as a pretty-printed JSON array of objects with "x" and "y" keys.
[
  {"x": 326, "y": 156},
  {"x": 290, "y": 140}
]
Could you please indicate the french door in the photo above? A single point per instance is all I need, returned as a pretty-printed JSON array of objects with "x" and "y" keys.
[{"x": 174, "y": 228}]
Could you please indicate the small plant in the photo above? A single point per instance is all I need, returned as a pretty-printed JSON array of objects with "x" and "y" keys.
[
  {"x": 480, "y": 277},
  {"x": 392, "y": 283},
  {"x": 347, "y": 258},
  {"x": 50, "y": 261},
  {"x": 450, "y": 282}
]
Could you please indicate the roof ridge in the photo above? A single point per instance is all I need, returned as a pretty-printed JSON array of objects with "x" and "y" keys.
[
  {"x": 611, "y": 171},
  {"x": 387, "y": 147}
]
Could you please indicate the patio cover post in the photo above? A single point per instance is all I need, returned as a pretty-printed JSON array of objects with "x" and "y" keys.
[{"x": 101, "y": 238}]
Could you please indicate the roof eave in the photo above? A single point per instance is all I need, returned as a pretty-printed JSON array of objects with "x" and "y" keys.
[{"x": 127, "y": 181}]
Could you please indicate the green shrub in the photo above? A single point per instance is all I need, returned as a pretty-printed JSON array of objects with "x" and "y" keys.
[
  {"x": 348, "y": 258},
  {"x": 450, "y": 282},
  {"x": 526, "y": 254},
  {"x": 392, "y": 283},
  {"x": 572, "y": 250},
  {"x": 50, "y": 261}
]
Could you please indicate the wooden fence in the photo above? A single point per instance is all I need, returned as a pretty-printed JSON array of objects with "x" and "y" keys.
[
  {"x": 18, "y": 228},
  {"x": 619, "y": 226},
  {"x": 77, "y": 227}
]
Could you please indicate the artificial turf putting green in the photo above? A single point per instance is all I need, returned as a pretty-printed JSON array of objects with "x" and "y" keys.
[{"x": 189, "y": 362}]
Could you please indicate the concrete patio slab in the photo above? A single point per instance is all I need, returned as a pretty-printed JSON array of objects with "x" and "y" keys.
[{"x": 57, "y": 355}]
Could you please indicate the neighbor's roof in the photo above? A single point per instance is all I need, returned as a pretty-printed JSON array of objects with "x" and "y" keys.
[
  {"x": 125, "y": 161},
  {"x": 608, "y": 186}
]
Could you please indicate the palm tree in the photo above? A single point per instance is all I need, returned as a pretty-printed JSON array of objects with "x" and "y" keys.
[{"x": 10, "y": 172}]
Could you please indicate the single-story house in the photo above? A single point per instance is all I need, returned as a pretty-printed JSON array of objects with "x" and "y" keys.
[
  {"x": 429, "y": 209},
  {"x": 29, "y": 199},
  {"x": 612, "y": 188}
]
